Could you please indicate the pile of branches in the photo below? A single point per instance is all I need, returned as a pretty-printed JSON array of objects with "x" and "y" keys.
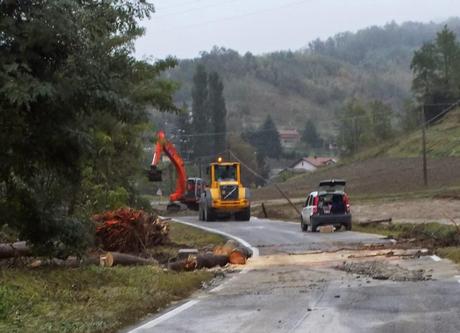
[{"x": 129, "y": 231}]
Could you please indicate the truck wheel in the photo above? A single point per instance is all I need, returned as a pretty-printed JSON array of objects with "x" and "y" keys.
[
  {"x": 244, "y": 215},
  {"x": 348, "y": 226},
  {"x": 314, "y": 227},
  {"x": 208, "y": 214},
  {"x": 200, "y": 213},
  {"x": 303, "y": 226}
]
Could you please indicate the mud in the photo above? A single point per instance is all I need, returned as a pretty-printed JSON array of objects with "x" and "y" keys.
[{"x": 379, "y": 270}]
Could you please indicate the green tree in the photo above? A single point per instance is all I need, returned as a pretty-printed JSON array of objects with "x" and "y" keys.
[
  {"x": 310, "y": 135},
  {"x": 354, "y": 127},
  {"x": 435, "y": 68},
  {"x": 410, "y": 116},
  {"x": 201, "y": 119},
  {"x": 381, "y": 116},
  {"x": 72, "y": 105},
  {"x": 218, "y": 111},
  {"x": 268, "y": 140}
]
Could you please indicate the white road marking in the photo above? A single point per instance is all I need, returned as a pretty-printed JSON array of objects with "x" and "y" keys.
[
  {"x": 164, "y": 317},
  {"x": 189, "y": 304},
  {"x": 183, "y": 307},
  {"x": 255, "y": 250},
  {"x": 435, "y": 258}
]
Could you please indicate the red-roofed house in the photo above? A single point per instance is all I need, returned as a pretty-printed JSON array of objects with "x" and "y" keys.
[
  {"x": 289, "y": 137},
  {"x": 313, "y": 163}
]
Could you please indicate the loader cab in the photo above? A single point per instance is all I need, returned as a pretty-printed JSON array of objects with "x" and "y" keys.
[{"x": 224, "y": 172}]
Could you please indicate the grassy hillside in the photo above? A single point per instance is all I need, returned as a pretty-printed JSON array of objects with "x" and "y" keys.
[
  {"x": 393, "y": 169},
  {"x": 442, "y": 140},
  {"x": 316, "y": 81}
]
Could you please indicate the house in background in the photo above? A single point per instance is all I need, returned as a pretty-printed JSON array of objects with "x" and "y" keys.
[
  {"x": 312, "y": 163},
  {"x": 289, "y": 137}
]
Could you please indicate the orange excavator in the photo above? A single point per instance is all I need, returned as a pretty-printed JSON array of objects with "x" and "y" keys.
[{"x": 188, "y": 190}]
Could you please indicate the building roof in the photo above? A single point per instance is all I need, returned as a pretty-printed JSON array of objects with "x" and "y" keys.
[
  {"x": 316, "y": 161},
  {"x": 288, "y": 134}
]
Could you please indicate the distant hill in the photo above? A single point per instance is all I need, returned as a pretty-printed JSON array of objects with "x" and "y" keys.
[{"x": 315, "y": 82}]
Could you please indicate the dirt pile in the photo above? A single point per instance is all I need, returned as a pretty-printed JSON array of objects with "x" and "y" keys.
[{"x": 383, "y": 271}]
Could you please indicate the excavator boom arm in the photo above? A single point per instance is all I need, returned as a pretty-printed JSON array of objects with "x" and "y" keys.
[{"x": 166, "y": 147}]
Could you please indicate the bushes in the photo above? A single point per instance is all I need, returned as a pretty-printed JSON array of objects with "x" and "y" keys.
[{"x": 72, "y": 101}]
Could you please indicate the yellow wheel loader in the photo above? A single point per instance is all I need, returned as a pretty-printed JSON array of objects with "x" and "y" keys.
[{"x": 225, "y": 194}]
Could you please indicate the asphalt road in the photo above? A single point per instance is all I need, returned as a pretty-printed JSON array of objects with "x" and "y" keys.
[{"x": 285, "y": 290}]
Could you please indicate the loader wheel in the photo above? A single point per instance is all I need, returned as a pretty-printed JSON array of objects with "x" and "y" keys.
[
  {"x": 314, "y": 227},
  {"x": 244, "y": 215}
]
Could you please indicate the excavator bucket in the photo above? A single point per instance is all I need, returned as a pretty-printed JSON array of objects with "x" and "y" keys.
[{"x": 154, "y": 174}]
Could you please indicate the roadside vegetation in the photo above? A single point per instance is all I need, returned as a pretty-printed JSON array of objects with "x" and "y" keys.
[
  {"x": 443, "y": 240},
  {"x": 97, "y": 299}
]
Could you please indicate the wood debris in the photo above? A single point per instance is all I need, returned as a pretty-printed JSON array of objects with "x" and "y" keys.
[{"x": 129, "y": 231}]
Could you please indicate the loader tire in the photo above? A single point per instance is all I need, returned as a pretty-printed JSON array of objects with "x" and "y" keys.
[
  {"x": 244, "y": 215},
  {"x": 314, "y": 227}
]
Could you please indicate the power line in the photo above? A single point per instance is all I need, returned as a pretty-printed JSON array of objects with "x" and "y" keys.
[
  {"x": 193, "y": 9},
  {"x": 179, "y": 4},
  {"x": 247, "y": 167},
  {"x": 230, "y": 18},
  {"x": 445, "y": 111}
]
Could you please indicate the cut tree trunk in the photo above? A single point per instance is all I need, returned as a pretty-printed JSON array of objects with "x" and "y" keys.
[
  {"x": 11, "y": 250},
  {"x": 115, "y": 258},
  {"x": 198, "y": 262},
  {"x": 237, "y": 253}
]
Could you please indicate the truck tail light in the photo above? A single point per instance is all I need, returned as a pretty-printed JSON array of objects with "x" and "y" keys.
[
  {"x": 315, "y": 206},
  {"x": 346, "y": 202},
  {"x": 314, "y": 210}
]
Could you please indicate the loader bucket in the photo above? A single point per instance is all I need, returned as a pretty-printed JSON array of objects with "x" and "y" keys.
[{"x": 154, "y": 175}]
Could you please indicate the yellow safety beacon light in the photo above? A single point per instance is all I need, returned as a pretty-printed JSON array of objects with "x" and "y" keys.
[{"x": 219, "y": 160}]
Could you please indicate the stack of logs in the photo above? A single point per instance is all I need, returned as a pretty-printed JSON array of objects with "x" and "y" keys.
[{"x": 232, "y": 252}]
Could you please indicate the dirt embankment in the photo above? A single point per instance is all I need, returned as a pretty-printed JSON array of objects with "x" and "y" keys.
[
  {"x": 446, "y": 211},
  {"x": 379, "y": 176}
]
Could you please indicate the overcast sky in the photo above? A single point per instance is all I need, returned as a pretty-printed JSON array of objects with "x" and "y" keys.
[{"x": 183, "y": 28}]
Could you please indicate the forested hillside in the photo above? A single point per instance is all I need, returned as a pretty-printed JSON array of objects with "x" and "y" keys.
[{"x": 315, "y": 82}]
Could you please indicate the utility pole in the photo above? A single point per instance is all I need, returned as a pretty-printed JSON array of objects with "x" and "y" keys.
[
  {"x": 199, "y": 167},
  {"x": 425, "y": 171}
]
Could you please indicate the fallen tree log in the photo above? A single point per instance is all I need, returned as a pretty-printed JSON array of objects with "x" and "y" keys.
[
  {"x": 237, "y": 253},
  {"x": 12, "y": 250},
  {"x": 111, "y": 259},
  {"x": 198, "y": 262}
]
